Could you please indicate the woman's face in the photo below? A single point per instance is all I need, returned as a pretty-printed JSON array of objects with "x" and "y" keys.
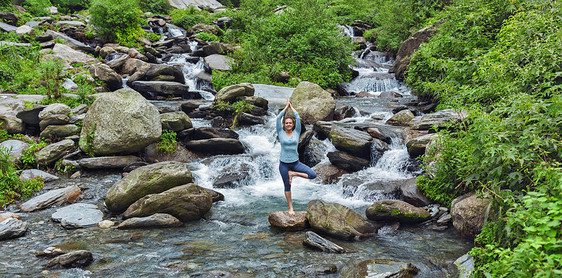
[{"x": 289, "y": 125}]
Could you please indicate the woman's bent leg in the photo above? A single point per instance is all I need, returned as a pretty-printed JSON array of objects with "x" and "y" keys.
[{"x": 303, "y": 171}]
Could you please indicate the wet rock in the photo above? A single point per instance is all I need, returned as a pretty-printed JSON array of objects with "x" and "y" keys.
[
  {"x": 328, "y": 173},
  {"x": 232, "y": 175},
  {"x": 469, "y": 213},
  {"x": 315, "y": 241},
  {"x": 315, "y": 270},
  {"x": 465, "y": 265},
  {"x": 53, "y": 197},
  {"x": 103, "y": 72},
  {"x": 216, "y": 146},
  {"x": 396, "y": 210},
  {"x": 217, "y": 196},
  {"x": 6, "y": 215},
  {"x": 161, "y": 88},
  {"x": 207, "y": 133},
  {"x": 80, "y": 258},
  {"x": 439, "y": 119},
  {"x": 214, "y": 273},
  {"x": 108, "y": 162},
  {"x": 157, "y": 220},
  {"x": 383, "y": 268},
  {"x": 219, "y": 62},
  {"x": 181, "y": 154},
  {"x": 106, "y": 224},
  {"x": 79, "y": 215},
  {"x": 122, "y": 121},
  {"x": 245, "y": 119},
  {"x": 338, "y": 221},
  {"x": 370, "y": 190},
  {"x": 401, "y": 118},
  {"x": 186, "y": 202},
  {"x": 15, "y": 148},
  {"x": 348, "y": 162},
  {"x": 59, "y": 131},
  {"x": 313, "y": 103},
  {"x": 33, "y": 173},
  {"x": 175, "y": 121},
  {"x": 352, "y": 141},
  {"x": 230, "y": 93},
  {"x": 12, "y": 228},
  {"x": 286, "y": 222},
  {"x": 444, "y": 219},
  {"x": 412, "y": 195},
  {"x": 150, "y": 179},
  {"x": 50, "y": 252},
  {"x": 54, "y": 152},
  {"x": 389, "y": 229},
  {"x": 376, "y": 133},
  {"x": 416, "y": 147},
  {"x": 314, "y": 151}
]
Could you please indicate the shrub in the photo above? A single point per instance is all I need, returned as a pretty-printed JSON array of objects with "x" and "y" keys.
[
  {"x": 11, "y": 187},
  {"x": 37, "y": 7},
  {"x": 207, "y": 37},
  {"x": 68, "y": 6},
  {"x": 189, "y": 17},
  {"x": 156, "y": 6},
  {"x": 118, "y": 21},
  {"x": 168, "y": 142}
]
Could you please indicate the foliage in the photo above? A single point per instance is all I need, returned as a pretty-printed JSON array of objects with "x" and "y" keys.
[
  {"x": 347, "y": 11},
  {"x": 154, "y": 36},
  {"x": 11, "y": 187},
  {"x": 241, "y": 106},
  {"x": 37, "y": 7},
  {"x": 156, "y": 6},
  {"x": 187, "y": 18},
  {"x": 168, "y": 142},
  {"x": 51, "y": 76},
  {"x": 117, "y": 20},
  {"x": 28, "y": 156},
  {"x": 5, "y": 3},
  {"x": 207, "y": 37},
  {"x": 68, "y": 6},
  {"x": 88, "y": 147},
  {"x": 63, "y": 169}
]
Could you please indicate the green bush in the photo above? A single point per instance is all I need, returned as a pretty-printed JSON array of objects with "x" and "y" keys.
[
  {"x": 168, "y": 142},
  {"x": 5, "y": 4},
  {"x": 156, "y": 6},
  {"x": 11, "y": 187},
  {"x": 187, "y": 18},
  {"x": 37, "y": 7},
  {"x": 68, "y": 6},
  {"x": 118, "y": 21},
  {"x": 208, "y": 37}
]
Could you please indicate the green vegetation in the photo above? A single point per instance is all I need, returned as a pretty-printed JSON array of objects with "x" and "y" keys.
[
  {"x": 37, "y": 7},
  {"x": 168, "y": 142},
  {"x": 69, "y": 6},
  {"x": 28, "y": 156},
  {"x": 118, "y": 20},
  {"x": 11, "y": 187},
  {"x": 189, "y": 17},
  {"x": 155, "y": 6}
]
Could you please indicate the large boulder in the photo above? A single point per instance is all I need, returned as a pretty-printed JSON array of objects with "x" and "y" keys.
[
  {"x": 416, "y": 146},
  {"x": 338, "y": 221},
  {"x": 187, "y": 202},
  {"x": 230, "y": 93},
  {"x": 348, "y": 162},
  {"x": 313, "y": 103},
  {"x": 150, "y": 179},
  {"x": 352, "y": 141},
  {"x": 438, "y": 119},
  {"x": 408, "y": 48},
  {"x": 120, "y": 122},
  {"x": 396, "y": 210},
  {"x": 216, "y": 146},
  {"x": 286, "y": 222},
  {"x": 54, "y": 152},
  {"x": 72, "y": 56},
  {"x": 470, "y": 212},
  {"x": 103, "y": 72}
]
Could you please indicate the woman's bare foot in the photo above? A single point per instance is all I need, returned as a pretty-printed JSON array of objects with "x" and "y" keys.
[{"x": 291, "y": 212}]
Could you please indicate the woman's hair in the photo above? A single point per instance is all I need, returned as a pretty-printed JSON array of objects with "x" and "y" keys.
[{"x": 290, "y": 118}]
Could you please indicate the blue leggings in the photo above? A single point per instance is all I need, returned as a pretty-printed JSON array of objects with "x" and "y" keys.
[{"x": 296, "y": 166}]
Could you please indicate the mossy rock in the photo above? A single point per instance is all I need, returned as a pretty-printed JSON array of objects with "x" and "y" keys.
[{"x": 396, "y": 210}]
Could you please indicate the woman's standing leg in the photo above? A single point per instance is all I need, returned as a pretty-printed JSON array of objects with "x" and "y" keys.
[{"x": 284, "y": 171}]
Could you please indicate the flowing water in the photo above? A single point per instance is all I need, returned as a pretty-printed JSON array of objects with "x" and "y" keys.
[{"x": 235, "y": 236}]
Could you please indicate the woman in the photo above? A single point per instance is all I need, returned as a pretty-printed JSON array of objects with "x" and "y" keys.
[{"x": 289, "y": 165}]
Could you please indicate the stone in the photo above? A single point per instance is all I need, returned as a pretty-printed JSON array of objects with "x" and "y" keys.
[
  {"x": 217, "y": 48},
  {"x": 376, "y": 133},
  {"x": 59, "y": 131},
  {"x": 30, "y": 116},
  {"x": 53, "y": 110},
  {"x": 11, "y": 124},
  {"x": 219, "y": 62},
  {"x": 396, "y": 210},
  {"x": 314, "y": 241},
  {"x": 408, "y": 48},
  {"x": 50, "y": 252},
  {"x": 348, "y": 162},
  {"x": 120, "y": 122},
  {"x": 34, "y": 173},
  {"x": 187, "y": 202},
  {"x": 24, "y": 30},
  {"x": 439, "y": 119},
  {"x": 7, "y": 27},
  {"x": 161, "y": 88},
  {"x": 15, "y": 149},
  {"x": 202, "y": 27},
  {"x": 465, "y": 265},
  {"x": 417, "y": 146},
  {"x": 201, "y": 4},
  {"x": 78, "y": 215},
  {"x": 208, "y": 133},
  {"x": 70, "y": 23},
  {"x": 217, "y": 196},
  {"x": 10, "y": 18},
  {"x": 283, "y": 221},
  {"x": 53, "y": 197},
  {"x": 355, "y": 142},
  {"x": 328, "y": 173},
  {"x": 12, "y": 228},
  {"x": 412, "y": 195},
  {"x": 150, "y": 179},
  {"x": 338, "y": 221},
  {"x": 66, "y": 53},
  {"x": 380, "y": 268},
  {"x": 80, "y": 258},
  {"x": 103, "y": 72},
  {"x": 54, "y": 120},
  {"x": 401, "y": 118},
  {"x": 6, "y": 215},
  {"x": 108, "y": 162},
  {"x": 181, "y": 154},
  {"x": 313, "y": 103},
  {"x": 175, "y": 121},
  {"x": 69, "y": 85},
  {"x": 106, "y": 224},
  {"x": 216, "y": 146},
  {"x": 157, "y": 220},
  {"x": 70, "y": 42},
  {"x": 54, "y": 152},
  {"x": 232, "y": 92},
  {"x": 470, "y": 212},
  {"x": 315, "y": 270}
]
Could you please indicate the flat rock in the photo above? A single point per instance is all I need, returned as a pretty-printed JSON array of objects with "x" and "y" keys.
[
  {"x": 313, "y": 240},
  {"x": 219, "y": 62},
  {"x": 79, "y": 215},
  {"x": 33, "y": 173},
  {"x": 284, "y": 221},
  {"x": 7, "y": 27},
  {"x": 80, "y": 258},
  {"x": 53, "y": 197},
  {"x": 157, "y": 220},
  {"x": 6, "y": 215},
  {"x": 108, "y": 162},
  {"x": 15, "y": 148},
  {"x": 12, "y": 228}
]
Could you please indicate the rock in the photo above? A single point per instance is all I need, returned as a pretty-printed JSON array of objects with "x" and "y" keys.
[
  {"x": 338, "y": 221},
  {"x": 207, "y": 133},
  {"x": 232, "y": 92},
  {"x": 120, "y": 122},
  {"x": 6, "y": 215},
  {"x": 52, "y": 10},
  {"x": 78, "y": 215},
  {"x": 219, "y": 62},
  {"x": 313, "y": 103},
  {"x": 11, "y": 124},
  {"x": 108, "y": 162},
  {"x": 396, "y": 210},
  {"x": 12, "y": 228},
  {"x": 157, "y": 220},
  {"x": 315, "y": 241},
  {"x": 10, "y": 18},
  {"x": 53, "y": 197},
  {"x": 245, "y": 119},
  {"x": 416, "y": 147},
  {"x": 217, "y": 48},
  {"x": 103, "y": 72},
  {"x": 216, "y": 146},
  {"x": 465, "y": 265},
  {"x": 352, "y": 141},
  {"x": 72, "y": 43},
  {"x": 328, "y": 173},
  {"x": 181, "y": 154},
  {"x": 286, "y": 222},
  {"x": 69, "y": 85},
  {"x": 106, "y": 224},
  {"x": 72, "y": 56},
  {"x": 156, "y": 72},
  {"x": 33, "y": 173},
  {"x": 232, "y": 175},
  {"x": 401, "y": 118},
  {"x": 15, "y": 149},
  {"x": 348, "y": 162},
  {"x": 54, "y": 110},
  {"x": 439, "y": 119},
  {"x": 54, "y": 120},
  {"x": 59, "y": 131},
  {"x": 175, "y": 121},
  {"x": 71, "y": 23},
  {"x": 186, "y": 202},
  {"x": 7, "y": 27},
  {"x": 161, "y": 88},
  {"x": 80, "y": 258},
  {"x": 150, "y": 179},
  {"x": 380, "y": 268},
  {"x": 408, "y": 48},
  {"x": 376, "y": 133},
  {"x": 217, "y": 196},
  {"x": 24, "y": 30},
  {"x": 54, "y": 152},
  {"x": 412, "y": 195},
  {"x": 205, "y": 28},
  {"x": 470, "y": 212},
  {"x": 444, "y": 219},
  {"x": 50, "y": 252},
  {"x": 370, "y": 190},
  {"x": 11, "y": 106},
  {"x": 80, "y": 109},
  {"x": 315, "y": 270},
  {"x": 30, "y": 116}
]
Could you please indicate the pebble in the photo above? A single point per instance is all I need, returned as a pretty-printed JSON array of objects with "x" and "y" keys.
[{"x": 106, "y": 224}]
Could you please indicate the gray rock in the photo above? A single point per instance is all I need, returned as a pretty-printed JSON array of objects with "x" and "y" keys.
[
  {"x": 219, "y": 62},
  {"x": 438, "y": 119},
  {"x": 396, "y": 210},
  {"x": 80, "y": 258},
  {"x": 352, "y": 141},
  {"x": 150, "y": 179},
  {"x": 59, "y": 131},
  {"x": 465, "y": 265},
  {"x": 444, "y": 219},
  {"x": 313, "y": 103},
  {"x": 80, "y": 109},
  {"x": 120, "y": 122},
  {"x": 72, "y": 56},
  {"x": 412, "y": 195},
  {"x": 175, "y": 121},
  {"x": 11, "y": 106},
  {"x": 408, "y": 48},
  {"x": 401, "y": 118},
  {"x": 69, "y": 84},
  {"x": 33, "y": 173},
  {"x": 103, "y": 72},
  {"x": 79, "y": 215},
  {"x": 24, "y": 30},
  {"x": 54, "y": 152},
  {"x": 348, "y": 162},
  {"x": 53, "y": 197},
  {"x": 216, "y": 146},
  {"x": 7, "y": 27},
  {"x": 286, "y": 222},
  {"x": 208, "y": 133},
  {"x": 181, "y": 154},
  {"x": 157, "y": 220},
  {"x": 161, "y": 88},
  {"x": 54, "y": 120},
  {"x": 12, "y": 228},
  {"x": 15, "y": 148},
  {"x": 416, "y": 146},
  {"x": 54, "y": 110},
  {"x": 313, "y": 240},
  {"x": 380, "y": 268},
  {"x": 70, "y": 23},
  {"x": 315, "y": 270},
  {"x": 469, "y": 213},
  {"x": 328, "y": 173},
  {"x": 108, "y": 162},
  {"x": 232, "y": 92},
  {"x": 245, "y": 119},
  {"x": 72, "y": 43},
  {"x": 11, "y": 124}
]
